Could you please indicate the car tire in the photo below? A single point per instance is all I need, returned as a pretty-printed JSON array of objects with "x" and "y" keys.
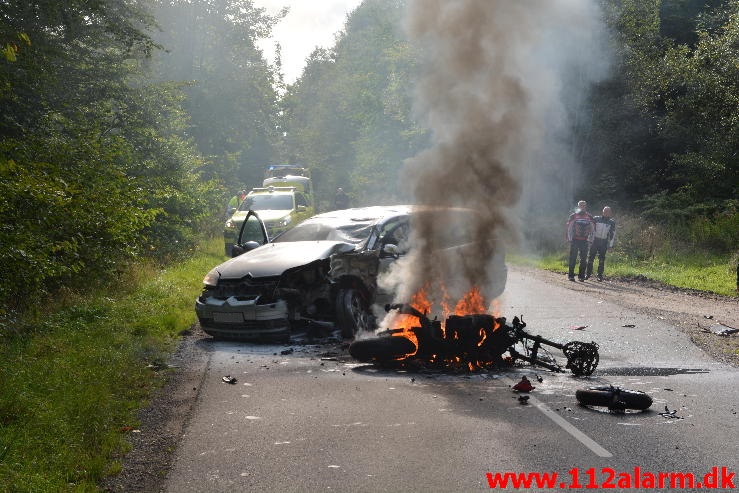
[{"x": 352, "y": 312}]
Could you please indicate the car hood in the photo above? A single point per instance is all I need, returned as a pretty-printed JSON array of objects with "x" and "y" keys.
[{"x": 273, "y": 259}]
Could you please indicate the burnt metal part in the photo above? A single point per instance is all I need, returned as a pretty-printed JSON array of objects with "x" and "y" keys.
[{"x": 474, "y": 341}]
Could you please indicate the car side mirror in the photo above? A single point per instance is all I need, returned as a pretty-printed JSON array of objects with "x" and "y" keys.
[
  {"x": 242, "y": 249},
  {"x": 390, "y": 250},
  {"x": 250, "y": 245},
  {"x": 237, "y": 250}
]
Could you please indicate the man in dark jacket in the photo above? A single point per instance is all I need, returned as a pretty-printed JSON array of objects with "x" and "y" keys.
[
  {"x": 580, "y": 229},
  {"x": 604, "y": 238},
  {"x": 341, "y": 200}
]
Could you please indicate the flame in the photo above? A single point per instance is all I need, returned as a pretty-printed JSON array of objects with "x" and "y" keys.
[
  {"x": 420, "y": 302},
  {"x": 472, "y": 302},
  {"x": 484, "y": 336},
  {"x": 494, "y": 310}
]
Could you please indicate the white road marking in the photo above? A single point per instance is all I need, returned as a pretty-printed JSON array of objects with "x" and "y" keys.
[{"x": 565, "y": 425}]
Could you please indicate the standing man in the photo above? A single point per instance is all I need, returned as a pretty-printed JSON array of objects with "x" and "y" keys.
[
  {"x": 605, "y": 236},
  {"x": 580, "y": 229},
  {"x": 235, "y": 202},
  {"x": 341, "y": 200}
]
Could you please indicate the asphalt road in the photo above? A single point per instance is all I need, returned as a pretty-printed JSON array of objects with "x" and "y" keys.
[{"x": 314, "y": 420}]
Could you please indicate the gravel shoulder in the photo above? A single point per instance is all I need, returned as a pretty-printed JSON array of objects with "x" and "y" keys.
[{"x": 163, "y": 422}]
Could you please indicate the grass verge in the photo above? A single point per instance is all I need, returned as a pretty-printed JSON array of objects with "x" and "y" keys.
[
  {"x": 705, "y": 272},
  {"x": 72, "y": 381}
]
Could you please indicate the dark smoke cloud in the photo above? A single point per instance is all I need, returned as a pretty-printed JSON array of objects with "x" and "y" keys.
[{"x": 494, "y": 90}]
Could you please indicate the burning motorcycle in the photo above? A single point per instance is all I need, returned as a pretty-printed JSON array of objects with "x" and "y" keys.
[{"x": 471, "y": 342}]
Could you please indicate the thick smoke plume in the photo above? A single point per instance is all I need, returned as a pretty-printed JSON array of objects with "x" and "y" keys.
[{"x": 499, "y": 85}]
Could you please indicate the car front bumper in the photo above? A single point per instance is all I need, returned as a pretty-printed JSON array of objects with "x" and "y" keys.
[{"x": 243, "y": 319}]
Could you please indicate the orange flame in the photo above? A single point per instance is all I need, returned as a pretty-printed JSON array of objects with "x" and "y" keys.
[
  {"x": 472, "y": 302},
  {"x": 483, "y": 336},
  {"x": 495, "y": 312},
  {"x": 420, "y": 302}
]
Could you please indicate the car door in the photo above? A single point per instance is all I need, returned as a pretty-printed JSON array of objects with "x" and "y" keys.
[
  {"x": 393, "y": 244},
  {"x": 303, "y": 208},
  {"x": 252, "y": 234}
]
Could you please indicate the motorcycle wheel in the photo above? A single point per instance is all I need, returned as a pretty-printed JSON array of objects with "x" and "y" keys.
[
  {"x": 614, "y": 398},
  {"x": 381, "y": 349}
]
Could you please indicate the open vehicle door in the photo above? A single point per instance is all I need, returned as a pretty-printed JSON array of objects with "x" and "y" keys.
[{"x": 253, "y": 234}]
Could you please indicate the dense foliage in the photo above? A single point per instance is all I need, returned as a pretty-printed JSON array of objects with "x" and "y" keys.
[
  {"x": 349, "y": 117},
  {"x": 671, "y": 118},
  {"x": 95, "y": 166},
  {"x": 231, "y": 90}
]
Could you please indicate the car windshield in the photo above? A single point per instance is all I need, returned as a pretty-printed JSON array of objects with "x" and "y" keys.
[
  {"x": 267, "y": 201},
  {"x": 355, "y": 232}
]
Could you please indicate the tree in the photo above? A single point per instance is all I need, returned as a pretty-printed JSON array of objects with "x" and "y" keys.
[
  {"x": 231, "y": 95},
  {"x": 93, "y": 166},
  {"x": 665, "y": 134},
  {"x": 350, "y": 114}
]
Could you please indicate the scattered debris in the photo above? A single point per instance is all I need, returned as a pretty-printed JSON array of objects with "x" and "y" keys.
[
  {"x": 709, "y": 317},
  {"x": 579, "y": 327},
  {"x": 287, "y": 351},
  {"x": 524, "y": 385},
  {"x": 330, "y": 358},
  {"x": 723, "y": 330},
  {"x": 670, "y": 414},
  {"x": 539, "y": 378},
  {"x": 229, "y": 379},
  {"x": 523, "y": 399},
  {"x": 629, "y": 325}
]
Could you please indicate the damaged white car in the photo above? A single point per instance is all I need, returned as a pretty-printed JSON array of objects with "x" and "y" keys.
[{"x": 325, "y": 269}]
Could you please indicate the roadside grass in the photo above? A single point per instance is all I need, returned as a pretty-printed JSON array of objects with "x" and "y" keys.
[
  {"x": 72, "y": 380},
  {"x": 705, "y": 272}
]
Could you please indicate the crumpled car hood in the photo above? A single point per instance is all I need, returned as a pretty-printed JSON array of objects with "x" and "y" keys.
[{"x": 273, "y": 259}]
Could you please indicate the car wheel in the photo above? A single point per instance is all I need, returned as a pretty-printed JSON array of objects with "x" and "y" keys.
[{"x": 352, "y": 312}]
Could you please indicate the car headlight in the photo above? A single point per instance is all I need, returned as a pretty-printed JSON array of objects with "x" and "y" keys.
[
  {"x": 285, "y": 221},
  {"x": 230, "y": 224},
  {"x": 211, "y": 278}
]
